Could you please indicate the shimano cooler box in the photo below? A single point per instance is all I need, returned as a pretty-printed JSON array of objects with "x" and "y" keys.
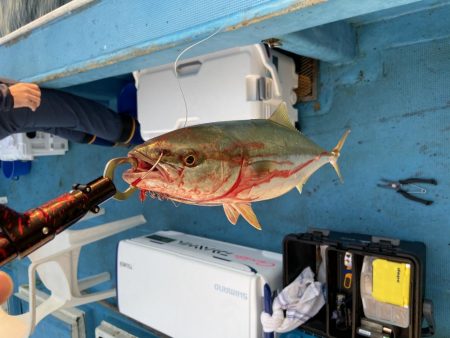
[
  {"x": 375, "y": 286},
  {"x": 189, "y": 286},
  {"x": 238, "y": 83}
]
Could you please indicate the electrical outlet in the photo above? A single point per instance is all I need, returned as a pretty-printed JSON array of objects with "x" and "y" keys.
[{"x": 107, "y": 330}]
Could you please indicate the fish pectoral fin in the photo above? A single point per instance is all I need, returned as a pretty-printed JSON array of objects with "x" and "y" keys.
[
  {"x": 281, "y": 116},
  {"x": 249, "y": 215},
  {"x": 232, "y": 213}
]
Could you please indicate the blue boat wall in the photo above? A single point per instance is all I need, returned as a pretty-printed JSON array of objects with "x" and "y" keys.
[{"x": 384, "y": 73}]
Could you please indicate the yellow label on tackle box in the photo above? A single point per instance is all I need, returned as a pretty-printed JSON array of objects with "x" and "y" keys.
[{"x": 391, "y": 282}]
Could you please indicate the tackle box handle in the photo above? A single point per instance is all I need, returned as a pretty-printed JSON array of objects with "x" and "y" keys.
[
  {"x": 318, "y": 231},
  {"x": 387, "y": 240},
  {"x": 428, "y": 315}
]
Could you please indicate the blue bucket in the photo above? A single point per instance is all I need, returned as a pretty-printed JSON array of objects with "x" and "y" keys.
[{"x": 14, "y": 169}]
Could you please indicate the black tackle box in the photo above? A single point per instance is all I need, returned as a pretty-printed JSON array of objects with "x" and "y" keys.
[{"x": 343, "y": 315}]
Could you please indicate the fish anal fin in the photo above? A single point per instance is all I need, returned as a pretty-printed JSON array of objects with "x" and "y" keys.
[
  {"x": 247, "y": 212},
  {"x": 281, "y": 116},
  {"x": 302, "y": 182},
  {"x": 231, "y": 212}
]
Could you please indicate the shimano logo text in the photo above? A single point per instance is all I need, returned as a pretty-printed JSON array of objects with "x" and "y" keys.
[
  {"x": 229, "y": 291},
  {"x": 205, "y": 248},
  {"x": 126, "y": 265}
]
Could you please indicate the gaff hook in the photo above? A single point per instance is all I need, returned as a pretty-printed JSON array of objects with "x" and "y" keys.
[{"x": 109, "y": 173}]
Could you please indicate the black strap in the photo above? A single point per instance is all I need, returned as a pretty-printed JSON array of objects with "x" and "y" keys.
[
  {"x": 418, "y": 180},
  {"x": 428, "y": 315},
  {"x": 414, "y": 198}
]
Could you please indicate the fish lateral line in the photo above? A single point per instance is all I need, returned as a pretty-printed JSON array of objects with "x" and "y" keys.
[{"x": 275, "y": 174}]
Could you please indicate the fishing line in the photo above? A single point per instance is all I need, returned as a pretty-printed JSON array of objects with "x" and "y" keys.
[
  {"x": 175, "y": 66},
  {"x": 135, "y": 183}
]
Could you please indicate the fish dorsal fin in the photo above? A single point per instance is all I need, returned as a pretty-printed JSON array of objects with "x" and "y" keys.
[
  {"x": 233, "y": 211},
  {"x": 281, "y": 116}
]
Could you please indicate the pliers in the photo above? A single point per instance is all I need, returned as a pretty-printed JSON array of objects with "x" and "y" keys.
[{"x": 399, "y": 186}]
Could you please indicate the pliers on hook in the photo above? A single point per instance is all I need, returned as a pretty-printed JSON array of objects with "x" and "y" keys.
[{"x": 400, "y": 187}]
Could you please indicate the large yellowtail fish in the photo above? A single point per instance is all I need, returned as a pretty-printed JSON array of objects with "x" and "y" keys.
[{"x": 230, "y": 163}]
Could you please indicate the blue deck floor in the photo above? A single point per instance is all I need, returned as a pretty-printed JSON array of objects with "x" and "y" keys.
[{"x": 396, "y": 99}]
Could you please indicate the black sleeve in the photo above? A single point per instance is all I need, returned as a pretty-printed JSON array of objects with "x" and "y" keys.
[{"x": 6, "y": 99}]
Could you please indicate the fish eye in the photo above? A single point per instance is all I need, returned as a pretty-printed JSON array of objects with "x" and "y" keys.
[{"x": 190, "y": 160}]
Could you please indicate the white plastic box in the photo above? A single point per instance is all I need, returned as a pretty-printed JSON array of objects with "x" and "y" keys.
[
  {"x": 187, "y": 286},
  {"x": 20, "y": 147},
  {"x": 234, "y": 84}
]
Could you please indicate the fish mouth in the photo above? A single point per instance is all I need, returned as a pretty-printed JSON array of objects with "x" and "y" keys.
[{"x": 146, "y": 169}]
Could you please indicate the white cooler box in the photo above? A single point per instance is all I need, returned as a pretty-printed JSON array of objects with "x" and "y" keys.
[
  {"x": 233, "y": 84},
  {"x": 188, "y": 286}
]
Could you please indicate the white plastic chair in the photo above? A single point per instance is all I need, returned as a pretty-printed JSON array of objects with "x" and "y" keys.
[{"x": 57, "y": 266}]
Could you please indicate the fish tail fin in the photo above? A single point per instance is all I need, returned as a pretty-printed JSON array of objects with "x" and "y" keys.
[{"x": 336, "y": 152}]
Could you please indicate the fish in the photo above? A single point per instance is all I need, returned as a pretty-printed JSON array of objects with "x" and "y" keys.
[{"x": 230, "y": 164}]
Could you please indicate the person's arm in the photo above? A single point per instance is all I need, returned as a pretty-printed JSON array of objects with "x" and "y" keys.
[
  {"x": 25, "y": 95},
  {"x": 6, "y": 99}
]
